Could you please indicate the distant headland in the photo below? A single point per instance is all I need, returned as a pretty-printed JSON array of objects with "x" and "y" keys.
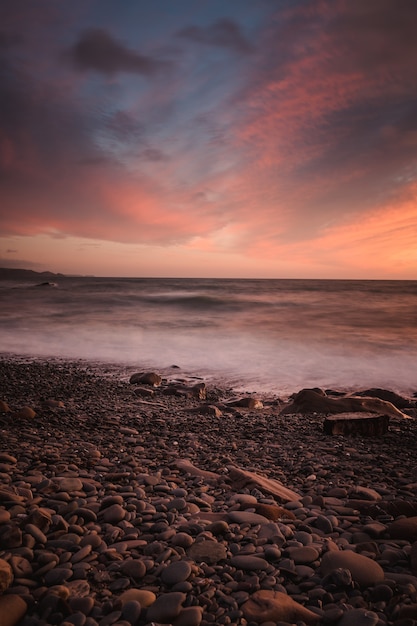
[{"x": 10, "y": 273}]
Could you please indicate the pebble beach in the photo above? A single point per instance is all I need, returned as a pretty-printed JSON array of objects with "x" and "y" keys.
[{"x": 163, "y": 500}]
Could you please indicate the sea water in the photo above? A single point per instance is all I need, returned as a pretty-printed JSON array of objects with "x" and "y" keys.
[{"x": 258, "y": 335}]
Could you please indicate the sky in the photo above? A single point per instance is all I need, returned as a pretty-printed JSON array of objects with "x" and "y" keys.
[{"x": 212, "y": 138}]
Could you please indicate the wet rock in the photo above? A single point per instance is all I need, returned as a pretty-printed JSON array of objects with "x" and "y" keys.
[{"x": 149, "y": 378}]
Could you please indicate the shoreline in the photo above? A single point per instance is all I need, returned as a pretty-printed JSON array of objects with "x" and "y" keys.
[
  {"x": 225, "y": 380},
  {"x": 118, "y": 508}
]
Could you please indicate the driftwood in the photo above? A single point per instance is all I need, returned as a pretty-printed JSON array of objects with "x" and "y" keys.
[
  {"x": 186, "y": 466},
  {"x": 241, "y": 479},
  {"x": 311, "y": 401},
  {"x": 367, "y": 424}
]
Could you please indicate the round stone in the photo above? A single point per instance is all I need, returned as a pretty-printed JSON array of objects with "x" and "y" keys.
[
  {"x": 143, "y": 596},
  {"x": 304, "y": 555},
  {"x": 134, "y": 568},
  {"x": 176, "y": 572},
  {"x": 364, "y": 570},
  {"x": 114, "y": 514}
]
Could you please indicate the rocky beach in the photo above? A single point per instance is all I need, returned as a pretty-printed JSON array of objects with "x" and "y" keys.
[{"x": 133, "y": 498}]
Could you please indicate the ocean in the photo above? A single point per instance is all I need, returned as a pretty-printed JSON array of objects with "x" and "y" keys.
[{"x": 256, "y": 335}]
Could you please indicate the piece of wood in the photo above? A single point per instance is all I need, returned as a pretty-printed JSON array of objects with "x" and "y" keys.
[
  {"x": 242, "y": 478},
  {"x": 366, "y": 424}
]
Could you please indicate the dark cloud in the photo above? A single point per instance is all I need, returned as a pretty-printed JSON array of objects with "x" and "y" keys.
[
  {"x": 98, "y": 51},
  {"x": 377, "y": 34},
  {"x": 224, "y": 33}
]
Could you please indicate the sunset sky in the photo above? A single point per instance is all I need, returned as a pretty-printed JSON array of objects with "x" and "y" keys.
[{"x": 235, "y": 138}]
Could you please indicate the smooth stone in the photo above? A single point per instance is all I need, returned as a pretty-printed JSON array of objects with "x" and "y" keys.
[
  {"x": 114, "y": 513},
  {"x": 359, "y": 617},
  {"x": 57, "y": 576},
  {"x": 207, "y": 551},
  {"x": 12, "y": 609},
  {"x": 366, "y": 493},
  {"x": 145, "y": 597},
  {"x": 4, "y": 516},
  {"x": 131, "y": 611},
  {"x": 275, "y": 606},
  {"x": 246, "y": 517},
  {"x": 6, "y": 575},
  {"x": 36, "y": 533},
  {"x": 7, "y": 458},
  {"x": 190, "y": 616},
  {"x": 133, "y": 568},
  {"x": 404, "y": 528},
  {"x": 248, "y": 562},
  {"x": 364, "y": 570},
  {"x": 166, "y": 607},
  {"x": 76, "y": 619},
  {"x": 176, "y": 572},
  {"x": 182, "y": 539},
  {"x": 85, "y": 605},
  {"x": 304, "y": 555}
]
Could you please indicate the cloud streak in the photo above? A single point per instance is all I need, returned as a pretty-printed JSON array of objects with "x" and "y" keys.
[{"x": 98, "y": 51}]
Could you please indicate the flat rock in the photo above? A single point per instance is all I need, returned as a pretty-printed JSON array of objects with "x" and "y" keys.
[{"x": 207, "y": 551}]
